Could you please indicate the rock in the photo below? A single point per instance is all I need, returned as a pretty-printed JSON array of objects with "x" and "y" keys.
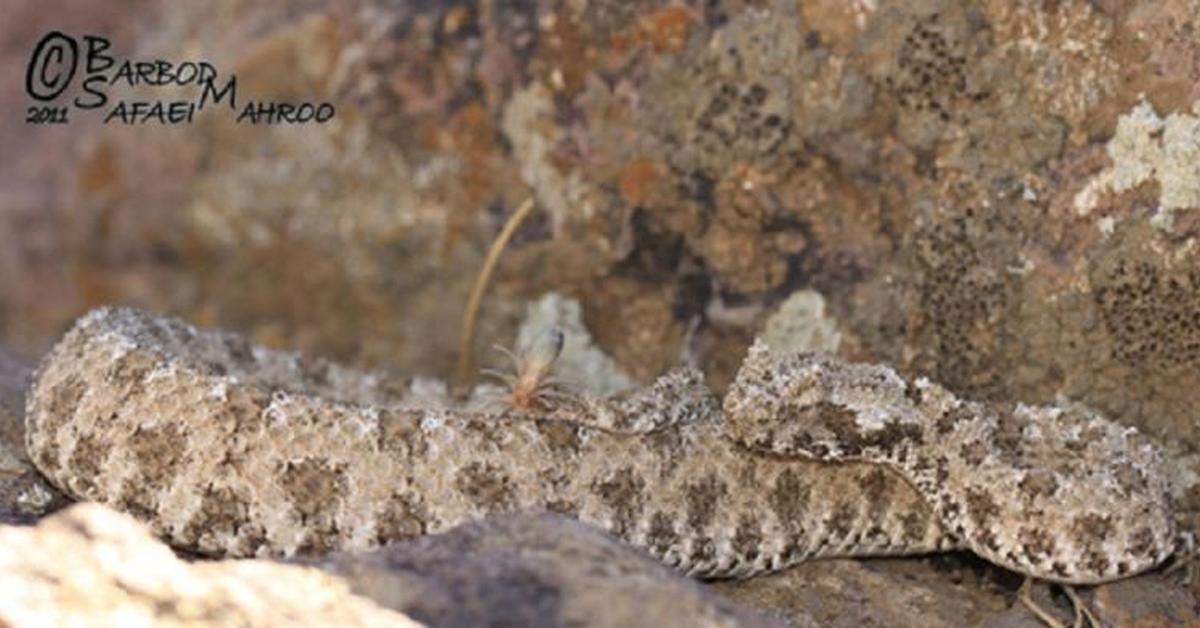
[
  {"x": 92, "y": 565},
  {"x": 846, "y": 593},
  {"x": 802, "y": 324},
  {"x": 24, "y": 493},
  {"x": 527, "y": 570},
  {"x": 947, "y": 592},
  {"x": 1147, "y": 147},
  {"x": 1149, "y": 600},
  {"x": 1154, "y": 600},
  {"x": 514, "y": 570},
  {"x": 14, "y": 378},
  {"x": 89, "y": 565}
]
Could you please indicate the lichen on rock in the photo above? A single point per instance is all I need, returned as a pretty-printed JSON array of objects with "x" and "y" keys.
[{"x": 1147, "y": 147}]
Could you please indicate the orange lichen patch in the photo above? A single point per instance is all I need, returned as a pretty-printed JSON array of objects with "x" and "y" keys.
[
  {"x": 469, "y": 134},
  {"x": 836, "y": 23},
  {"x": 666, "y": 30},
  {"x": 455, "y": 19},
  {"x": 98, "y": 172},
  {"x": 636, "y": 178},
  {"x": 565, "y": 54}
]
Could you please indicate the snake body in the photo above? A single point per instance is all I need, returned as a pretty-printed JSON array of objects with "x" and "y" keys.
[{"x": 235, "y": 450}]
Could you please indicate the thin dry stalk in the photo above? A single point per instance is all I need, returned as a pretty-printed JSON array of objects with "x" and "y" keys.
[{"x": 466, "y": 358}]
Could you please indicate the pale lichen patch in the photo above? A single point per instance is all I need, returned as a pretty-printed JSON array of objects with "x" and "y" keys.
[{"x": 1147, "y": 147}]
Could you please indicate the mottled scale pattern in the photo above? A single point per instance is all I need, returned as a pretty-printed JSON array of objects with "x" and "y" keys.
[
  {"x": 234, "y": 450},
  {"x": 1055, "y": 492}
]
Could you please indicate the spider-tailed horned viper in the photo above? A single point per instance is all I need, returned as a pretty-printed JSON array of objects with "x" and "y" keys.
[{"x": 235, "y": 450}]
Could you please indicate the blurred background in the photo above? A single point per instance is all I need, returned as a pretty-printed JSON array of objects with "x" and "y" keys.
[{"x": 1000, "y": 195}]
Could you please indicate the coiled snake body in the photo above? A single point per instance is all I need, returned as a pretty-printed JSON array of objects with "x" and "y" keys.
[{"x": 235, "y": 450}]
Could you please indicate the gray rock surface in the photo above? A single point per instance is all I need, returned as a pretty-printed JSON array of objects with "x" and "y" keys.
[
  {"x": 941, "y": 593},
  {"x": 532, "y": 570},
  {"x": 24, "y": 494},
  {"x": 1151, "y": 601},
  {"x": 14, "y": 376}
]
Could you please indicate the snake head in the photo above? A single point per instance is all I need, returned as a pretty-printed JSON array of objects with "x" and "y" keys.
[{"x": 815, "y": 406}]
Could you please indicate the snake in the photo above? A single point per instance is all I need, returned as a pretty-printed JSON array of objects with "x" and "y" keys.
[{"x": 230, "y": 449}]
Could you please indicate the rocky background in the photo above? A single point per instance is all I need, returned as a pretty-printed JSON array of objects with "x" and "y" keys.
[{"x": 1000, "y": 195}]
